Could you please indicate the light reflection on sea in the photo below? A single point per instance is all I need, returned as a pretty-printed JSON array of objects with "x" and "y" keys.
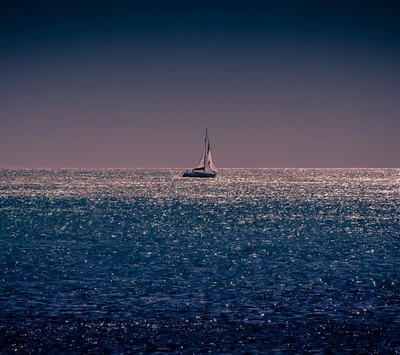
[{"x": 254, "y": 261}]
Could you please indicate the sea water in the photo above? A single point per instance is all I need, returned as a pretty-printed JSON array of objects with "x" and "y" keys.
[{"x": 267, "y": 261}]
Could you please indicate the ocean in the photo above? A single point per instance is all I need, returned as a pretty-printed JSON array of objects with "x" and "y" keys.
[{"x": 255, "y": 261}]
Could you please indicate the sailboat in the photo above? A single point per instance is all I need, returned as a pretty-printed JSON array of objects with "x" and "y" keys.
[{"x": 205, "y": 167}]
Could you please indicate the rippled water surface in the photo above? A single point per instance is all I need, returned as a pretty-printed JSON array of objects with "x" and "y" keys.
[{"x": 255, "y": 261}]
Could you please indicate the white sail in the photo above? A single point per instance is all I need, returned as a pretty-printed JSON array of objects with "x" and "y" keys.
[
  {"x": 211, "y": 162},
  {"x": 202, "y": 163}
]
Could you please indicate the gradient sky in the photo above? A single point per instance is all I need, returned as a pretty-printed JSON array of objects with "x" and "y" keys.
[{"x": 126, "y": 84}]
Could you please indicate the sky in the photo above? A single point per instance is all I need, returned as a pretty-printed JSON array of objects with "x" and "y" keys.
[{"x": 130, "y": 84}]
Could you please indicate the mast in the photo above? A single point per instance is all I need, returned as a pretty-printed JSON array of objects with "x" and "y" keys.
[{"x": 205, "y": 151}]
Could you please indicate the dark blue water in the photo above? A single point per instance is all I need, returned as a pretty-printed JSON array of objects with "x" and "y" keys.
[{"x": 271, "y": 261}]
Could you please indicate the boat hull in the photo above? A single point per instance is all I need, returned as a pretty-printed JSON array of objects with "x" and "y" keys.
[{"x": 197, "y": 174}]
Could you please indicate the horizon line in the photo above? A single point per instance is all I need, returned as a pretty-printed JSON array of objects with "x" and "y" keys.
[{"x": 183, "y": 168}]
